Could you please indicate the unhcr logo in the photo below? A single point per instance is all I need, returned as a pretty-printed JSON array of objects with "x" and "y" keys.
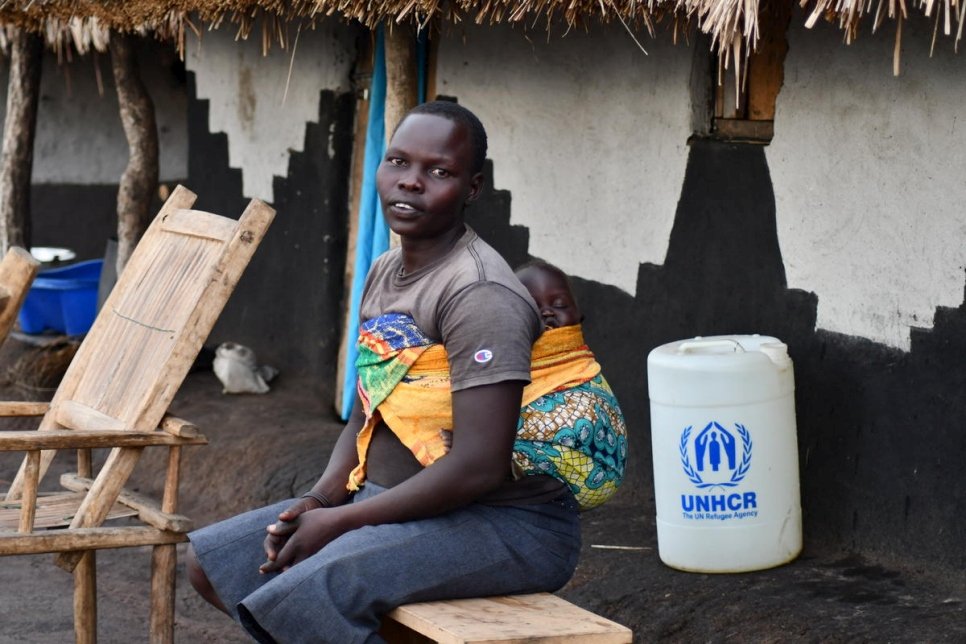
[{"x": 719, "y": 459}]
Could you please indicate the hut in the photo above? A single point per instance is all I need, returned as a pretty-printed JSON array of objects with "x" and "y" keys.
[{"x": 698, "y": 167}]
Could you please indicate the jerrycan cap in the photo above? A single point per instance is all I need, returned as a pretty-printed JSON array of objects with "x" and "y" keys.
[
  {"x": 727, "y": 352},
  {"x": 719, "y": 370}
]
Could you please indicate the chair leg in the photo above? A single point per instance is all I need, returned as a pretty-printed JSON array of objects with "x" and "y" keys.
[
  {"x": 163, "y": 560},
  {"x": 85, "y": 599}
]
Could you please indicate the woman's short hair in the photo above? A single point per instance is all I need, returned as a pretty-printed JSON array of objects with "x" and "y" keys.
[{"x": 457, "y": 113}]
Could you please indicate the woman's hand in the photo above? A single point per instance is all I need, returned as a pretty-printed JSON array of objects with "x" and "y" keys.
[
  {"x": 279, "y": 532},
  {"x": 300, "y": 537}
]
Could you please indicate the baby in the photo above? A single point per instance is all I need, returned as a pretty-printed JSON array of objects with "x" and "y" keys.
[
  {"x": 571, "y": 426},
  {"x": 550, "y": 289}
]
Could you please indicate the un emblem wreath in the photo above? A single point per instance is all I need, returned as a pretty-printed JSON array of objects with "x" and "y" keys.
[{"x": 736, "y": 476}]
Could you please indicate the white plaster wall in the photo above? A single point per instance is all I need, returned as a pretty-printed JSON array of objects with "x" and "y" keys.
[
  {"x": 587, "y": 133},
  {"x": 868, "y": 176},
  {"x": 248, "y": 94},
  {"x": 79, "y": 137}
]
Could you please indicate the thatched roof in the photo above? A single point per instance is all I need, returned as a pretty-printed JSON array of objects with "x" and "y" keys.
[{"x": 732, "y": 24}]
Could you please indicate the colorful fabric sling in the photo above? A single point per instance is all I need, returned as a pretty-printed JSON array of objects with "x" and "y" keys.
[{"x": 570, "y": 427}]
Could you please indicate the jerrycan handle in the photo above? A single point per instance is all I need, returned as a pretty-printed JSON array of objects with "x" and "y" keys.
[{"x": 699, "y": 345}]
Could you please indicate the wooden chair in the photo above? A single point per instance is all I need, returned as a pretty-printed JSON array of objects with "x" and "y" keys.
[
  {"x": 115, "y": 394},
  {"x": 17, "y": 272}
]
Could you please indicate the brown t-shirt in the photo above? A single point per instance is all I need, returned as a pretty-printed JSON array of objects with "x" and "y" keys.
[{"x": 472, "y": 303}]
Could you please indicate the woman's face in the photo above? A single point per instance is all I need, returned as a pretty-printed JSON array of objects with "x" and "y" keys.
[{"x": 426, "y": 178}]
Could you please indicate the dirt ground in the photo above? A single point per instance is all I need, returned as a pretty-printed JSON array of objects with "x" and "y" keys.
[{"x": 266, "y": 447}]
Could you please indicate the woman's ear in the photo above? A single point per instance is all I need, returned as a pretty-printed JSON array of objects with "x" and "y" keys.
[{"x": 476, "y": 186}]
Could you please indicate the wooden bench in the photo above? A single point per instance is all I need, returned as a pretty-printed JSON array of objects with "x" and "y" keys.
[{"x": 520, "y": 619}]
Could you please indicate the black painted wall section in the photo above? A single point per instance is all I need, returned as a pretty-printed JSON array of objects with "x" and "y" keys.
[
  {"x": 881, "y": 444},
  {"x": 79, "y": 217},
  {"x": 287, "y": 306},
  {"x": 489, "y": 216}
]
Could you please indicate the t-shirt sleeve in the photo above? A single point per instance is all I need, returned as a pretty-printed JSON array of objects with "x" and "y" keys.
[{"x": 488, "y": 331}]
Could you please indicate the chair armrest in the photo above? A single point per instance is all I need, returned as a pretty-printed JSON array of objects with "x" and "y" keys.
[
  {"x": 25, "y": 441},
  {"x": 179, "y": 427},
  {"x": 23, "y": 408}
]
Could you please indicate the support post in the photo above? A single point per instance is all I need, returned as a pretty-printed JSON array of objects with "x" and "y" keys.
[
  {"x": 140, "y": 178},
  {"x": 402, "y": 82},
  {"x": 19, "y": 130},
  {"x": 85, "y": 599},
  {"x": 163, "y": 560},
  {"x": 402, "y": 77}
]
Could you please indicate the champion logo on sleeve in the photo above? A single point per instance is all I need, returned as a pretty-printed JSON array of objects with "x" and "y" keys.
[{"x": 483, "y": 356}]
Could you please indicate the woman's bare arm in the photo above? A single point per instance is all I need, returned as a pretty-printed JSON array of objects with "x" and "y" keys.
[{"x": 484, "y": 420}]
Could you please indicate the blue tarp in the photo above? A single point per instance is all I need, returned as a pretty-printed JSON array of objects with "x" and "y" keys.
[{"x": 372, "y": 238}]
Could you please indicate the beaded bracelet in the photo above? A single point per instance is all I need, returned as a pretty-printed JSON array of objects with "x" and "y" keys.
[{"x": 318, "y": 496}]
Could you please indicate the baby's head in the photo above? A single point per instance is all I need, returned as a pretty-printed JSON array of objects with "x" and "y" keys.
[{"x": 550, "y": 288}]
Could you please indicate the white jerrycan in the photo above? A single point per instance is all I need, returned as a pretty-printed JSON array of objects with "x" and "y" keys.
[{"x": 725, "y": 453}]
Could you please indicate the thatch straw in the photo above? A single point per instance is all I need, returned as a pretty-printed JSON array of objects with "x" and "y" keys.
[
  {"x": 731, "y": 24},
  {"x": 84, "y": 25}
]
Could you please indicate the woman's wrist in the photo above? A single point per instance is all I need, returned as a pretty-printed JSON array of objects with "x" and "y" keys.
[{"x": 319, "y": 498}]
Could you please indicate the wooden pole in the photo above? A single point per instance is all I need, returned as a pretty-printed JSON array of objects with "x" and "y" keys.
[
  {"x": 140, "y": 178},
  {"x": 85, "y": 599},
  {"x": 402, "y": 77},
  {"x": 163, "y": 564},
  {"x": 19, "y": 129},
  {"x": 402, "y": 82}
]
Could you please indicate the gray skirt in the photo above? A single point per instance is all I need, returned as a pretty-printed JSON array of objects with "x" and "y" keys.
[{"x": 340, "y": 594}]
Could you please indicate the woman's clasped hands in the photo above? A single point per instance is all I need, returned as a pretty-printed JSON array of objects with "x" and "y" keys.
[{"x": 301, "y": 531}]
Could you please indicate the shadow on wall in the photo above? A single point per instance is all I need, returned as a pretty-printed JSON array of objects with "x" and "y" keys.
[
  {"x": 288, "y": 305},
  {"x": 880, "y": 446}
]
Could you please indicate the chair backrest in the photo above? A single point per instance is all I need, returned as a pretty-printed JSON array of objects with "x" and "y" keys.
[
  {"x": 17, "y": 272},
  {"x": 148, "y": 333}
]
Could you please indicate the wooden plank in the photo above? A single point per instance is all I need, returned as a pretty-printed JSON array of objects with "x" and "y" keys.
[
  {"x": 85, "y": 599},
  {"x": 743, "y": 130},
  {"x": 766, "y": 65},
  {"x": 252, "y": 227},
  {"x": 85, "y": 464},
  {"x": 28, "y": 509},
  {"x": 516, "y": 619},
  {"x": 54, "y": 510},
  {"x": 172, "y": 477},
  {"x": 85, "y": 539},
  {"x": 22, "y": 408},
  {"x": 147, "y": 509},
  {"x": 163, "y": 560},
  {"x": 74, "y": 415},
  {"x": 179, "y": 427},
  {"x": 17, "y": 272},
  {"x": 19, "y": 441},
  {"x": 197, "y": 223}
]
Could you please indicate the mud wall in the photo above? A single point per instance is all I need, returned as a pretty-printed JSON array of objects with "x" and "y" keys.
[
  {"x": 832, "y": 239},
  {"x": 80, "y": 150},
  {"x": 289, "y": 144},
  {"x": 592, "y": 169}
]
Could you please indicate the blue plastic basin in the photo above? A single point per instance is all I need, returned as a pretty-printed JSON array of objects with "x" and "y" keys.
[{"x": 62, "y": 299}]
